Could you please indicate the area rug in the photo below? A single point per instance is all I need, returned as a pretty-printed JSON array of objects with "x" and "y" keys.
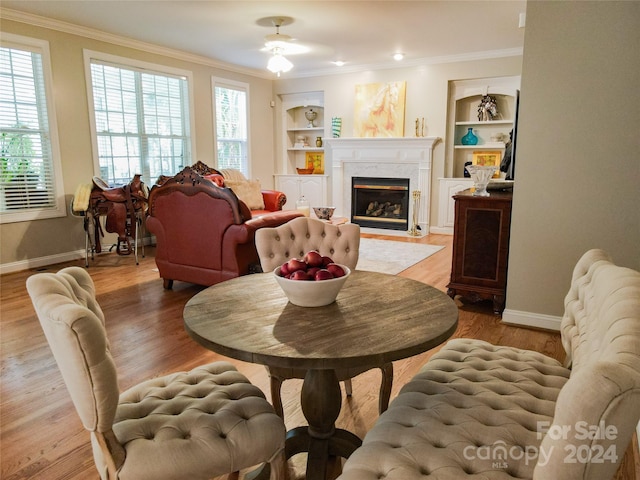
[{"x": 388, "y": 256}]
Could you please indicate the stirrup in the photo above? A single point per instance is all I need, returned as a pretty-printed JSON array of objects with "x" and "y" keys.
[{"x": 127, "y": 247}]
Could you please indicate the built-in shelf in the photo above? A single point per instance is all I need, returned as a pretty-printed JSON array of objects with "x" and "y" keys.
[
  {"x": 492, "y": 122},
  {"x": 484, "y": 146}
]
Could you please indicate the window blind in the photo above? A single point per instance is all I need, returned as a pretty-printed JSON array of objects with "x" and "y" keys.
[
  {"x": 231, "y": 128},
  {"x": 26, "y": 165},
  {"x": 141, "y": 122}
]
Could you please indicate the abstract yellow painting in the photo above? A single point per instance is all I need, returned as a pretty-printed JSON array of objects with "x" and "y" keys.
[
  {"x": 315, "y": 160},
  {"x": 379, "y": 110}
]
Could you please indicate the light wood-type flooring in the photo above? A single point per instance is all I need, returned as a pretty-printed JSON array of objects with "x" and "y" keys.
[{"x": 41, "y": 435}]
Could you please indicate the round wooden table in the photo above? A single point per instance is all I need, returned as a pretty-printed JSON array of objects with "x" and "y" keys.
[{"x": 376, "y": 319}]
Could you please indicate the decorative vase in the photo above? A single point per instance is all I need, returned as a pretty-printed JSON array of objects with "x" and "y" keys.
[
  {"x": 469, "y": 138},
  {"x": 336, "y": 127},
  {"x": 481, "y": 175},
  {"x": 310, "y": 115},
  {"x": 318, "y": 141}
]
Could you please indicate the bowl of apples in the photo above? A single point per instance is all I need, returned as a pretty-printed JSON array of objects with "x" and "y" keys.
[{"x": 311, "y": 281}]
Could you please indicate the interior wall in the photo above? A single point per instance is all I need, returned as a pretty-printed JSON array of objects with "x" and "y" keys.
[
  {"x": 53, "y": 237},
  {"x": 427, "y": 91},
  {"x": 578, "y": 169}
]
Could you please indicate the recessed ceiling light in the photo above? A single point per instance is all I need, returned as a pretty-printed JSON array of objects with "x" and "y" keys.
[
  {"x": 338, "y": 63},
  {"x": 398, "y": 56}
]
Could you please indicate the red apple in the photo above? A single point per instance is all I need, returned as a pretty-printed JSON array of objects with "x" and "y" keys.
[
  {"x": 313, "y": 259},
  {"x": 284, "y": 269},
  {"x": 300, "y": 275},
  {"x": 312, "y": 271},
  {"x": 294, "y": 265},
  {"x": 336, "y": 270},
  {"x": 323, "y": 274},
  {"x": 326, "y": 261}
]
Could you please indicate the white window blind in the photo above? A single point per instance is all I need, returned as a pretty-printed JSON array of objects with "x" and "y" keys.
[
  {"x": 27, "y": 174},
  {"x": 142, "y": 122},
  {"x": 231, "y": 108}
]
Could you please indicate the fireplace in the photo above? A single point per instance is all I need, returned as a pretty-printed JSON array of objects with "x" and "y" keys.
[
  {"x": 396, "y": 158},
  {"x": 380, "y": 202}
]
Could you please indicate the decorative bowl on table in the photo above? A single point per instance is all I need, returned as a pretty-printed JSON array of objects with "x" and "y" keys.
[
  {"x": 304, "y": 171},
  {"x": 312, "y": 293},
  {"x": 481, "y": 174},
  {"x": 324, "y": 213}
]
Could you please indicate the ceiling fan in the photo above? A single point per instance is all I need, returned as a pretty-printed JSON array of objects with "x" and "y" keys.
[{"x": 279, "y": 45}]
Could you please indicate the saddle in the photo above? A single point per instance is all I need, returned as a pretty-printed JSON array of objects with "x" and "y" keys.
[{"x": 120, "y": 205}]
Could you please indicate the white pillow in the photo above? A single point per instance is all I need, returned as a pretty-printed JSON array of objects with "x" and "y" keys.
[{"x": 249, "y": 191}]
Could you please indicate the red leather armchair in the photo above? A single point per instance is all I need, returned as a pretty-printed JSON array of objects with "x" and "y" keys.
[{"x": 204, "y": 234}]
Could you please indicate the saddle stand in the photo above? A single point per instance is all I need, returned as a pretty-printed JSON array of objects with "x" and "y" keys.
[{"x": 123, "y": 207}]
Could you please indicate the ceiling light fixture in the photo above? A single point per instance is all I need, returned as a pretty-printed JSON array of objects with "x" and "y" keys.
[
  {"x": 278, "y": 44},
  {"x": 398, "y": 56},
  {"x": 278, "y": 63},
  {"x": 338, "y": 63}
]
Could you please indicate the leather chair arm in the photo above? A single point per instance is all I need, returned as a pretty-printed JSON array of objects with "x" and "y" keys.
[
  {"x": 274, "y": 200},
  {"x": 274, "y": 219}
]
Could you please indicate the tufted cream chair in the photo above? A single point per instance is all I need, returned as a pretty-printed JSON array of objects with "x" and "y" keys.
[
  {"x": 292, "y": 240},
  {"x": 189, "y": 425},
  {"x": 482, "y": 411}
]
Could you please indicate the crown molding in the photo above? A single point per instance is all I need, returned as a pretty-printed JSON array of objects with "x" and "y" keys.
[{"x": 73, "y": 29}]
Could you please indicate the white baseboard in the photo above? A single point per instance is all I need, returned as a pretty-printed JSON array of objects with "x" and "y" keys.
[
  {"x": 442, "y": 230},
  {"x": 53, "y": 259},
  {"x": 529, "y": 319},
  {"x": 41, "y": 261}
]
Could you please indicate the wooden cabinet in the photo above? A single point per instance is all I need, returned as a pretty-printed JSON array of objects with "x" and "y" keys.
[{"x": 481, "y": 247}]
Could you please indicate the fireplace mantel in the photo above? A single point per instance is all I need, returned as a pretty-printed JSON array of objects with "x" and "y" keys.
[{"x": 382, "y": 157}]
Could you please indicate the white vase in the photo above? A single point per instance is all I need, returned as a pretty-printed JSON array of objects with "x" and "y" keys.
[{"x": 481, "y": 174}]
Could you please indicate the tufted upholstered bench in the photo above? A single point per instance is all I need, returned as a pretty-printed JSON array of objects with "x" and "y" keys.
[
  {"x": 480, "y": 411},
  {"x": 188, "y": 425}
]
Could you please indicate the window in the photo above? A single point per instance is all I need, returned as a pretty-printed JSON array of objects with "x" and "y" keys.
[
  {"x": 30, "y": 173},
  {"x": 231, "y": 113},
  {"x": 142, "y": 122}
]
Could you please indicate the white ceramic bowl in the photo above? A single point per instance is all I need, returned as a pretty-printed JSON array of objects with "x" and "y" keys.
[{"x": 312, "y": 293}]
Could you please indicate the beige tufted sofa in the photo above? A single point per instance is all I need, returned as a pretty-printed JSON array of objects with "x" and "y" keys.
[
  {"x": 481, "y": 411},
  {"x": 188, "y": 425}
]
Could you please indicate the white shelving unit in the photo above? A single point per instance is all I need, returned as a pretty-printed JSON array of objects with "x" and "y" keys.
[
  {"x": 464, "y": 98},
  {"x": 314, "y": 187},
  {"x": 463, "y": 114}
]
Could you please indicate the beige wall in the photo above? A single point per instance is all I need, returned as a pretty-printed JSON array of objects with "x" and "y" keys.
[
  {"x": 578, "y": 155},
  {"x": 55, "y": 237}
]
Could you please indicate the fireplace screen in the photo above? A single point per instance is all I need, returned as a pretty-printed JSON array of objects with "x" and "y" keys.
[{"x": 380, "y": 202}]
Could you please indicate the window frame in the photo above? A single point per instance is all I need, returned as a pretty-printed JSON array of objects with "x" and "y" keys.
[
  {"x": 34, "y": 45},
  {"x": 139, "y": 65},
  {"x": 236, "y": 85}
]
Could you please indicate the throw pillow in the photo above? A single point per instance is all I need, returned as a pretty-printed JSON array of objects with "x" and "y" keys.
[{"x": 249, "y": 191}]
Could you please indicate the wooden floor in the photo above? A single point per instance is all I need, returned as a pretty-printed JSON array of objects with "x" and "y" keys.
[{"x": 41, "y": 435}]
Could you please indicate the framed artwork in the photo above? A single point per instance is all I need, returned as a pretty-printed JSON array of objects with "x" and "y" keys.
[
  {"x": 489, "y": 158},
  {"x": 379, "y": 109},
  {"x": 315, "y": 160}
]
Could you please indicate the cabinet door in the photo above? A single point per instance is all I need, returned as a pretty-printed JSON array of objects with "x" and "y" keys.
[
  {"x": 290, "y": 186},
  {"x": 448, "y": 188},
  {"x": 314, "y": 189}
]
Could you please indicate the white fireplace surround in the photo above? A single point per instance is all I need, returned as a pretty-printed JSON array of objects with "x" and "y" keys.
[{"x": 382, "y": 158}]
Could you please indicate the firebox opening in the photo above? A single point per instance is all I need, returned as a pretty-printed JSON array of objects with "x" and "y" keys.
[{"x": 380, "y": 202}]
